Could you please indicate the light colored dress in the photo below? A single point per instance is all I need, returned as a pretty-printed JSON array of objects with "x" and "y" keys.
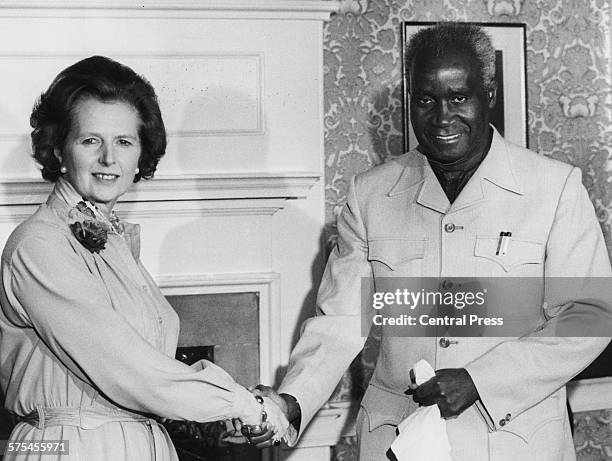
[{"x": 86, "y": 346}]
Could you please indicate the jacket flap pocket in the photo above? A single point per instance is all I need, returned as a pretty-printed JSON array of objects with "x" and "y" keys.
[
  {"x": 530, "y": 421},
  {"x": 395, "y": 252},
  {"x": 385, "y": 407},
  {"x": 518, "y": 252}
]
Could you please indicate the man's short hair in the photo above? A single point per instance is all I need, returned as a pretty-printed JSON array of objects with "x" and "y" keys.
[{"x": 446, "y": 37}]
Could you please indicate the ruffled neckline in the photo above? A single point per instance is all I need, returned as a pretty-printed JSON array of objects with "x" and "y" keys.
[{"x": 64, "y": 198}]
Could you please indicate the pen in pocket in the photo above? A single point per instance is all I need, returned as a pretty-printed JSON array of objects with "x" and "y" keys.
[{"x": 502, "y": 244}]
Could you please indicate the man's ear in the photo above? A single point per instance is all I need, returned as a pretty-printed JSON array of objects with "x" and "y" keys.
[{"x": 492, "y": 94}]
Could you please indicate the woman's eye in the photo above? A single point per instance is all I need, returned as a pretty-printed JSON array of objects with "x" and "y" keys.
[
  {"x": 125, "y": 142},
  {"x": 89, "y": 141}
]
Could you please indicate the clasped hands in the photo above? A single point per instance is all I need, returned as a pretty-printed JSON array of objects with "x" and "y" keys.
[
  {"x": 270, "y": 429},
  {"x": 452, "y": 389}
]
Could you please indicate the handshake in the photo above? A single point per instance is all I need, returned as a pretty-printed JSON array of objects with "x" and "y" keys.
[{"x": 271, "y": 425}]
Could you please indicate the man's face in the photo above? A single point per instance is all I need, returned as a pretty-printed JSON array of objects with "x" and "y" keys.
[{"x": 449, "y": 108}]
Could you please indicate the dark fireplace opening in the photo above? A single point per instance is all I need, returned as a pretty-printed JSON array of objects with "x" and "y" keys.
[{"x": 222, "y": 328}]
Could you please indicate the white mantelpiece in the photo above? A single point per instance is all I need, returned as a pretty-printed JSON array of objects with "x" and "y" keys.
[
  {"x": 238, "y": 199},
  {"x": 28, "y": 191}
]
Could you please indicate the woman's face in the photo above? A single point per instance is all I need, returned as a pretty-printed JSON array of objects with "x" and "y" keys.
[{"x": 102, "y": 150}]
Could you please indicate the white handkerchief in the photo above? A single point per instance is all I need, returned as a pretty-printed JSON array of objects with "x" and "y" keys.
[{"x": 422, "y": 435}]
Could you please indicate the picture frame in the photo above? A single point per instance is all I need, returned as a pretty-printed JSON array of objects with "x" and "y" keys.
[{"x": 510, "y": 113}]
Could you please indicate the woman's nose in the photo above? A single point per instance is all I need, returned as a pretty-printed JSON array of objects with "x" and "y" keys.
[{"x": 107, "y": 155}]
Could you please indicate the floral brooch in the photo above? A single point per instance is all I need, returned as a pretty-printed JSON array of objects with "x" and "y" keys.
[{"x": 90, "y": 227}]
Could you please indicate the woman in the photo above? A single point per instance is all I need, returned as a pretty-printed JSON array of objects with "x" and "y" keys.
[{"x": 86, "y": 337}]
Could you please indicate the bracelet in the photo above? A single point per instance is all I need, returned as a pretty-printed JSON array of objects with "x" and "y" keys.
[
  {"x": 249, "y": 430},
  {"x": 264, "y": 414}
]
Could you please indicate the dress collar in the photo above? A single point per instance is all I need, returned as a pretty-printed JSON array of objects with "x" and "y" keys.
[{"x": 64, "y": 197}]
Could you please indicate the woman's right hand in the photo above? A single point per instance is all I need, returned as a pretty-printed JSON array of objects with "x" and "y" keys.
[
  {"x": 252, "y": 412},
  {"x": 275, "y": 426}
]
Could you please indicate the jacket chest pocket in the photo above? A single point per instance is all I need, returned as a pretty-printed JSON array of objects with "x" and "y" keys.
[
  {"x": 522, "y": 257},
  {"x": 392, "y": 257}
]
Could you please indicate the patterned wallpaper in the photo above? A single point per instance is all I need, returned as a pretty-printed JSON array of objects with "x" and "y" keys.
[{"x": 569, "y": 117}]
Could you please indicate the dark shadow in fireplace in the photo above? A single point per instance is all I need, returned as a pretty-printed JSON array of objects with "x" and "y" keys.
[{"x": 222, "y": 328}]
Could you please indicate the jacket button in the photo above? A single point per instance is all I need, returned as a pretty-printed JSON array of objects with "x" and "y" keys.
[
  {"x": 445, "y": 342},
  {"x": 450, "y": 227},
  {"x": 447, "y": 284},
  {"x": 502, "y": 422},
  {"x": 508, "y": 416}
]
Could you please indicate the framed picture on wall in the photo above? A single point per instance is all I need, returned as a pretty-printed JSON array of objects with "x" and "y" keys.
[{"x": 510, "y": 113}]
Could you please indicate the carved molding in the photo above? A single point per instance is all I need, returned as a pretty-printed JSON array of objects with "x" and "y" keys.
[
  {"x": 136, "y": 211},
  {"x": 267, "y": 284},
  {"x": 164, "y": 210},
  {"x": 15, "y": 192},
  {"x": 195, "y": 196},
  {"x": 213, "y": 9},
  {"x": 183, "y": 80}
]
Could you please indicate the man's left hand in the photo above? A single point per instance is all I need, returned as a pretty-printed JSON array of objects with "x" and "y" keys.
[{"x": 452, "y": 389}]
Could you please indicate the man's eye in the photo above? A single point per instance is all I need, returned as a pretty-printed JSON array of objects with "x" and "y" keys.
[
  {"x": 424, "y": 101},
  {"x": 125, "y": 142},
  {"x": 459, "y": 99},
  {"x": 89, "y": 141}
]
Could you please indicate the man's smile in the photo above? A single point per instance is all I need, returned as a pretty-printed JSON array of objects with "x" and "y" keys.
[{"x": 446, "y": 139}]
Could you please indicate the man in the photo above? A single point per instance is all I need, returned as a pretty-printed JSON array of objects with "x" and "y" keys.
[{"x": 438, "y": 212}]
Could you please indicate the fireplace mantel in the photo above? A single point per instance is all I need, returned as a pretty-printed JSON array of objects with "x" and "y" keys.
[{"x": 181, "y": 187}]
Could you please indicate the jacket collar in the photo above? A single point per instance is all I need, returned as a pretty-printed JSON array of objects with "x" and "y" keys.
[
  {"x": 495, "y": 168},
  {"x": 63, "y": 198}
]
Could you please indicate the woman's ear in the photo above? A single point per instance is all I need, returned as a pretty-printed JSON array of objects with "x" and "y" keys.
[{"x": 58, "y": 155}]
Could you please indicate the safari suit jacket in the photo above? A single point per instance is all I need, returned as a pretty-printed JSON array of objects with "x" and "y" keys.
[{"x": 397, "y": 222}]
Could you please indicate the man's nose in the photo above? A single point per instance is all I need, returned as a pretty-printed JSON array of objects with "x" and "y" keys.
[
  {"x": 444, "y": 114},
  {"x": 107, "y": 155}
]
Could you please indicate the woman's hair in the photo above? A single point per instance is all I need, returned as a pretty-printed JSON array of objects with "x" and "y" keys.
[
  {"x": 105, "y": 80},
  {"x": 446, "y": 37}
]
